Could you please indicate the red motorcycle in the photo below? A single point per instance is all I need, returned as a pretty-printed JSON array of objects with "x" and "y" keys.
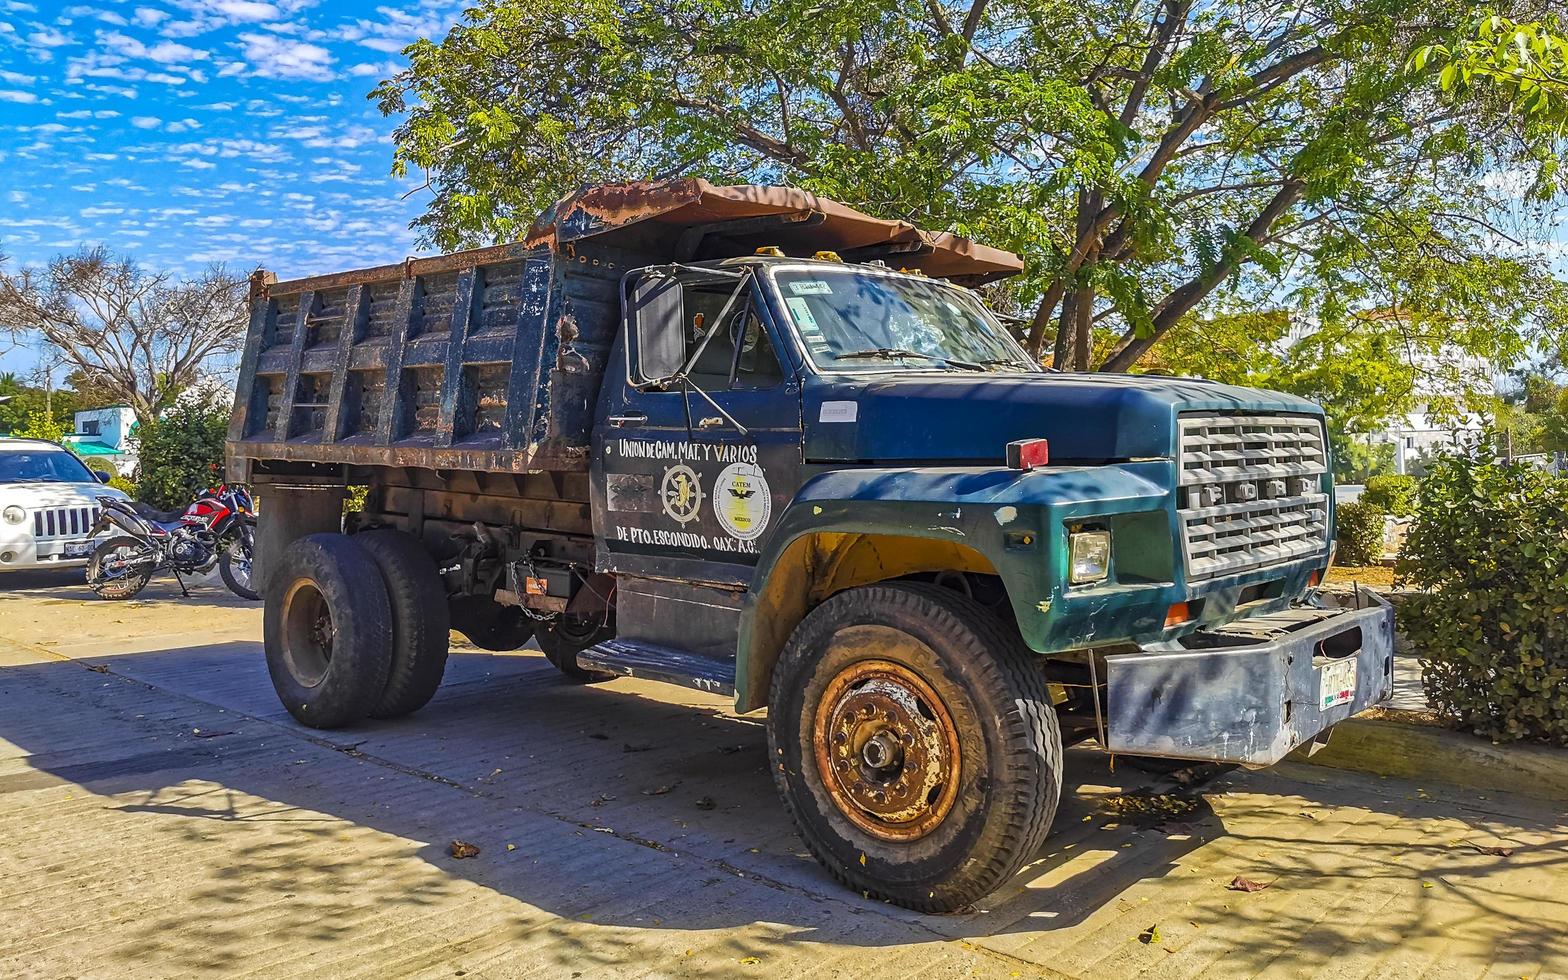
[{"x": 219, "y": 528}]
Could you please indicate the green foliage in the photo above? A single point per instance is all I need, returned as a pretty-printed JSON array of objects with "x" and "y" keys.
[
  {"x": 354, "y": 501},
  {"x": 1489, "y": 550},
  {"x": 42, "y": 425},
  {"x": 1393, "y": 494},
  {"x": 1358, "y": 527},
  {"x": 1177, "y": 161},
  {"x": 24, "y": 400},
  {"x": 181, "y": 453},
  {"x": 1523, "y": 63},
  {"x": 123, "y": 484},
  {"x": 1356, "y": 460}
]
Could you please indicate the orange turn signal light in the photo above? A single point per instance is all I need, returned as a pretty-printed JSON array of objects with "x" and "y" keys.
[
  {"x": 1315, "y": 578},
  {"x": 1177, "y": 614}
]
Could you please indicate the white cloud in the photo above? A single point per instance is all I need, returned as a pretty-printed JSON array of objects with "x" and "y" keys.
[
  {"x": 198, "y": 164},
  {"x": 17, "y": 78},
  {"x": 385, "y": 69},
  {"x": 12, "y": 95},
  {"x": 150, "y": 16},
  {"x": 275, "y": 57},
  {"x": 164, "y": 52},
  {"x": 146, "y": 122}
]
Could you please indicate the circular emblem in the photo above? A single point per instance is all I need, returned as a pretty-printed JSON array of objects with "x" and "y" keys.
[
  {"x": 681, "y": 493},
  {"x": 742, "y": 501}
]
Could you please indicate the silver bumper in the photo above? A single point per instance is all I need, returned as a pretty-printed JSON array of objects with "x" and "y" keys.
[{"x": 1252, "y": 691}]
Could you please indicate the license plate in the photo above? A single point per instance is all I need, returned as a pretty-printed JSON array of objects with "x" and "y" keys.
[
  {"x": 78, "y": 549},
  {"x": 1337, "y": 683}
]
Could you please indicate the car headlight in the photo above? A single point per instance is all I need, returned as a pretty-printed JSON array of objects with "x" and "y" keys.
[
  {"x": 15, "y": 515},
  {"x": 1091, "y": 556}
]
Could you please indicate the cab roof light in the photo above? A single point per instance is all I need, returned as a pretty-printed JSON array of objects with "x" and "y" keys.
[
  {"x": 772, "y": 250},
  {"x": 1028, "y": 454},
  {"x": 827, "y": 255}
]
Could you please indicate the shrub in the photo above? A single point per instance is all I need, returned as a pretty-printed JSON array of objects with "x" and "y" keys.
[
  {"x": 42, "y": 425},
  {"x": 123, "y": 483},
  {"x": 1489, "y": 547},
  {"x": 1394, "y": 494},
  {"x": 181, "y": 453},
  {"x": 1358, "y": 527}
]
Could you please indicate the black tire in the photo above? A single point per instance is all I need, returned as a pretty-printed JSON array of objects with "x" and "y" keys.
[
  {"x": 420, "y": 621},
  {"x": 327, "y": 629},
  {"x": 564, "y": 637},
  {"x": 236, "y": 568},
  {"x": 126, "y": 586},
  {"x": 490, "y": 625},
  {"x": 926, "y": 674}
]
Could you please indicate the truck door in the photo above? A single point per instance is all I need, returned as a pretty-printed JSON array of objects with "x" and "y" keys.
[{"x": 698, "y": 445}]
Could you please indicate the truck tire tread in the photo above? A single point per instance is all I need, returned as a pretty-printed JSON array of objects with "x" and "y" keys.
[
  {"x": 1030, "y": 763},
  {"x": 420, "y": 621}
]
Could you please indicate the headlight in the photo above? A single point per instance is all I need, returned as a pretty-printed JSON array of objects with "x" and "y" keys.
[
  {"x": 15, "y": 515},
  {"x": 1091, "y": 553}
]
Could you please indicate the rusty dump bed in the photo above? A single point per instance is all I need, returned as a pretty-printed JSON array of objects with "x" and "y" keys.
[{"x": 491, "y": 359}]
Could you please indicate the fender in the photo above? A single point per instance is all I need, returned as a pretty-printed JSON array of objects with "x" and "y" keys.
[{"x": 1012, "y": 523}]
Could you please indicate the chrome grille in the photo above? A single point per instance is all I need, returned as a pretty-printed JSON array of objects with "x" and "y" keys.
[
  {"x": 1251, "y": 492},
  {"x": 64, "y": 522}
]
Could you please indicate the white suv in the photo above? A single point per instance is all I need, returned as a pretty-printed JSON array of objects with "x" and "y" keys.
[{"x": 48, "y": 503}]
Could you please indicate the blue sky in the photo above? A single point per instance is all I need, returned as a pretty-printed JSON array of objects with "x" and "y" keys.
[{"x": 184, "y": 132}]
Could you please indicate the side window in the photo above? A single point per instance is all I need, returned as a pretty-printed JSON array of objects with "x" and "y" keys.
[{"x": 756, "y": 365}]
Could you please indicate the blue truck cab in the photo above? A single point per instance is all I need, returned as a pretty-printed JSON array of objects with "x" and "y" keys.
[{"x": 755, "y": 442}]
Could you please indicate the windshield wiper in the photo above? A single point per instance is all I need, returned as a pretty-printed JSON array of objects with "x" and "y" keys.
[{"x": 893, "y": 352}]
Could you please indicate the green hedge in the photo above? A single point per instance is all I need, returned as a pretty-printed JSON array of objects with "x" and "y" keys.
[
  {"x": 1358, "y": 527},
  {"x": 180, "y": 453},
  {"x": 1489, "y": 550},
  {"x": 1394, "y": 494}
]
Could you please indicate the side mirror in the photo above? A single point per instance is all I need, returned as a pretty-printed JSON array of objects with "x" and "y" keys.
[
  {"x": 654, "y": 314},
  {"x": 104, "y": 476}
]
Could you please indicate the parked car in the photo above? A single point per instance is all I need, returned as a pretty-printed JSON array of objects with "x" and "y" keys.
[{"x": 48, "y": 504}]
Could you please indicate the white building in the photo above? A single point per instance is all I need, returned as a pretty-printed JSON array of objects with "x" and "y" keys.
[
  {"x": 103, "y": 435},
  {"x": 1418, "y": 434}
]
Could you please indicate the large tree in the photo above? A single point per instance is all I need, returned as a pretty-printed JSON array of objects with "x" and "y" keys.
[
  {"x": 1149, "y": 158},
  {"x": 129, "y": 334}
]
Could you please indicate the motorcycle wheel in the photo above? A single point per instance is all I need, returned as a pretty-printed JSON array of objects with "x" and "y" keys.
[
  {"x": 234, "y": 564},
  {"x": 124, "y": 582}
]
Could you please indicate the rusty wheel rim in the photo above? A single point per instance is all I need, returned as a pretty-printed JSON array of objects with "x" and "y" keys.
[{"x": 887, "y": 750}]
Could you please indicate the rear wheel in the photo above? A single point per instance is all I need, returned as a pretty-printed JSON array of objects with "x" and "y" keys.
[
  {"x": 420, "y": 621},
  {"x": 914, "y": 743},
  {"x": 120, "y": 568},
  {"x": 564, "y": 637},
  {"x": 327, "y": 631}
]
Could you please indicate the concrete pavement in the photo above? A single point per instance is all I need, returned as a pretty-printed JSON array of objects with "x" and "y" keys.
[{"x": 162, "y": 815}]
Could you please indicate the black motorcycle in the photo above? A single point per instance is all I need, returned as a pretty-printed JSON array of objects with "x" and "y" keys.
[{"x": 219, "y": 528}]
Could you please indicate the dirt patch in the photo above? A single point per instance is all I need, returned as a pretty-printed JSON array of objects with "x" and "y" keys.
[{"x": 1377, "y": 577}]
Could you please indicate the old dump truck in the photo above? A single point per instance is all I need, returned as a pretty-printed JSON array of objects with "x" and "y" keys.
[{"x": 756, "y": 442}]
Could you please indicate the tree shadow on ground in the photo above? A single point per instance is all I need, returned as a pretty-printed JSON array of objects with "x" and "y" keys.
[{"x": 645, "y": 812}]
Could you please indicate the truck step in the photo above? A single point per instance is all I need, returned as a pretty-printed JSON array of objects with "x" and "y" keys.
[{"x": 650, "y": 661}]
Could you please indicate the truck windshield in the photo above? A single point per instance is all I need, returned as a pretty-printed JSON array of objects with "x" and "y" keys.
[
  {"x": 852, "y": 318},
  {"x": 44, "y": 466}
]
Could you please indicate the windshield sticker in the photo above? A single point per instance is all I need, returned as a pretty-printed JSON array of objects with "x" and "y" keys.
[
  {"x": 742, "y": 500},
  {"x": 811, "y": 287},
  {"x": 839, "y": 412},
  {"x": 801, "y": 311}
]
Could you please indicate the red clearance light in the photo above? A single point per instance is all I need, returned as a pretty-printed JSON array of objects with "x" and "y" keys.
[
  {"x": 1027, "y": 454},
  {"x": 1315, "y": 578},
  {"x": 1177, "y": 614}
]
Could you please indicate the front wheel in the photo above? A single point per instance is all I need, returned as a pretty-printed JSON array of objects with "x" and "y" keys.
[
  {"x": 914, "y": 744},
  {"x": 234, "y": 563},
  {"x": 120, "y": 568}
]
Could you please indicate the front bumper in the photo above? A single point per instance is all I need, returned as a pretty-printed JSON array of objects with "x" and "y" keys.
[
  {"x": 1251, "y": 691},
  {"x": 21, "y": 551}
]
